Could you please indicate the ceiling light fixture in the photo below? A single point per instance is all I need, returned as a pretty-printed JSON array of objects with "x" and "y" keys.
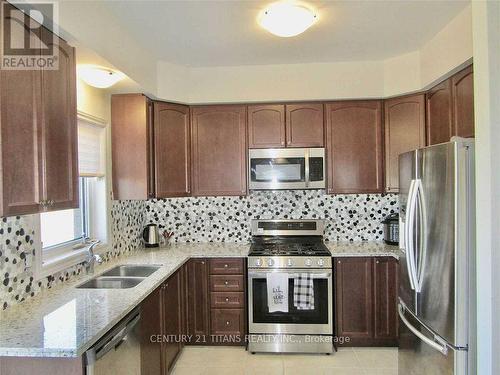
[
  {"x": 99, "y": 77},
  {"x": 287, "y": 19}
]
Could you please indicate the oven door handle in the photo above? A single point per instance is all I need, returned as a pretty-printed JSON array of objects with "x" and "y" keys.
[{"x": 315, "y": 274}]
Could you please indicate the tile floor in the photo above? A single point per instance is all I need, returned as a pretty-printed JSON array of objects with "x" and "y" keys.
[{"x": 236, "y": 361}]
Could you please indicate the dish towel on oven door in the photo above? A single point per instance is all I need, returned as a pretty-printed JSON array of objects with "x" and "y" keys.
[
  {"x": 303, "y": 292},
  {"x": 277, "y": 291}
]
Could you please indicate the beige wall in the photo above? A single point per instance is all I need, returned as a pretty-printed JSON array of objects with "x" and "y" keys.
[
  {"x": 93, "y": 101},
  {"x": 449, "y": 48},
  {"x": 486, "y": 34},
  {"x": 286, "y": 82}
]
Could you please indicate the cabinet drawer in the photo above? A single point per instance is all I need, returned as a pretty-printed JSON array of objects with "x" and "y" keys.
[
  {"x": 228, "y": 321},
  {"x": 229, "y": 283},
  {"x": 231, "y": 300},
  {"x": 229, "y": 266}
]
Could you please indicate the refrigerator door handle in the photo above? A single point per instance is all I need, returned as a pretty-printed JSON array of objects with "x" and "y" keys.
[
  {"x": 437, "y": 343},
  {"x": 422, "y": 243},
  {"x": 409, "y": 227}
]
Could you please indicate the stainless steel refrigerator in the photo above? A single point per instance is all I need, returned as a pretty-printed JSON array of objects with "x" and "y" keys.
[{"x": 436, "y": 293}]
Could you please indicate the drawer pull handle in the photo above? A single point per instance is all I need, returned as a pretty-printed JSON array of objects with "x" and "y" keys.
[
  {"x": 226, "y": 282},
  {"x": 227, "y": 323},
  {"x": 227, "y": 299}
]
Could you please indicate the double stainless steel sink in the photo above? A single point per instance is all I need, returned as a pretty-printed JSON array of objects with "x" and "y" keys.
[{"x": 120, "y": 277}]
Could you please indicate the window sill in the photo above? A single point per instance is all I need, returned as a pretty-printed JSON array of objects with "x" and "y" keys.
[{"x": 65, "y": 258}]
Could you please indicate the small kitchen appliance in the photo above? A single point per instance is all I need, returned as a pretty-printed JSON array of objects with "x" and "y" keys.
[
  {"x": 391, "y": 229},
  {"x": 150, "y": 236},
  {"x": 292, "y": 248},
  {"x": 286, "y": 168}
]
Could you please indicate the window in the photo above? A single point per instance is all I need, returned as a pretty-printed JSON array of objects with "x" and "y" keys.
[
  {"x": 65, "y": 226},
  {"x": 63, "y": 234}
]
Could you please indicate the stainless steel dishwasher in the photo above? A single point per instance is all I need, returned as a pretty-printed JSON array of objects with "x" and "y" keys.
[{"x": 119, "y": 350}]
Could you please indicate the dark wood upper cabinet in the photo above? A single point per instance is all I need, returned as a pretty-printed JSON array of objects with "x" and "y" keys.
[
  {"x": 198, "y": 311},
  {"x": 439, "y": 113},
  {"x": 404, "y": 131},
  {"x": 354, "y": 298},
  {"x": 385, "y": 286},
  {"x": 218, "y": 145},
  {"x": 462, "y": 87},
  {"x": 304, "y": 125},
  {"x": 172, "y": 150},
  {"x": 39, "y": 136},
  {"x": 354, "y": 145},
  {"x": 266, "y": 126},
  {"x": 290, "y": 125},
  {"x": 59, "y": 131},
  {"x": 132, "y": 146},
  {"x": 20, "y": 122}
]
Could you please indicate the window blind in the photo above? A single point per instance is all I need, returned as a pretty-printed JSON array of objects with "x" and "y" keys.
[{"x": 91, "y": 149}]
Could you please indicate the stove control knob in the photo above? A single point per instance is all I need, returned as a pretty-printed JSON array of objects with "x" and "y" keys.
[
  {"x": 270, "y": 262},
  {"x": 321, "y": 262},
  {"x": 308, "y": 262},
  {"x": 258, "y": 262},
  {"x": 289, "y": 262}
]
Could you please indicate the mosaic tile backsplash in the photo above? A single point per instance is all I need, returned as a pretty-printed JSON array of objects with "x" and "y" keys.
[
  {"x": 17, "y": 250},
  {"x": 227, "y": 219},
  {"x": 203, "y": 219}
]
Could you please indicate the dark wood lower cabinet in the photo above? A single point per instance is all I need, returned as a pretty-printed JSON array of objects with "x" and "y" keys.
[
  {"x": 366, "y": 301},
  {"x": 171, "y": 319},
  {"x": 162, "y": 326},
  {"x": 197, "y": 308},
  {"x": 151, "y": 327},
  {"x": 216, "y": 313}
]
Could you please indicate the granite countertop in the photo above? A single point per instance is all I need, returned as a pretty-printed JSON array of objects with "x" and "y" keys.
[{"x": 64, "y": 321}]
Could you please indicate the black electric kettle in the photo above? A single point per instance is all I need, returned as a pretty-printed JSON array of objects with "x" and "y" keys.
[{"x": 150, "y": 236}]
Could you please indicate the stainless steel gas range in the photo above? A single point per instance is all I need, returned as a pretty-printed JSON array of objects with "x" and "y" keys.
[{"x": 294, "y": 248}]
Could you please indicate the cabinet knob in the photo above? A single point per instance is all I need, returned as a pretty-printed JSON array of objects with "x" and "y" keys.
[
  {"x": 338, "y": 261},
  {"x": 227, "y": 322},
  {"x": 377, "y": 261},
  {"x": 227, "y": 299},
  {"x": 226, "y": 282},
  {"x": 225, "y": 266},
  {"x": 203, "y": 262}
]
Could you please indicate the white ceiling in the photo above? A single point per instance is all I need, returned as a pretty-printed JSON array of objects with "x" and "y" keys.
[{"x": 225, "y": 33}]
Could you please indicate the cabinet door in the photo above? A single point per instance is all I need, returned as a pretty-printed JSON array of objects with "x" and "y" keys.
[
  {"x": 198, "y": 313},
  {"x": 219, "y": 150},
  {"x": 354, "y": 147},
  {"x": 404, "y": 131},
  {"x": 353, "y": 300},
  {"x": 171, "y": 317},
  {"x": 385, "y": 299},
  {"x": 131, "y": 147},
  {"x": 439, "y": 113},
  {"x": 462, "y": 85},
  {"x": 172, "y": 150},
  {"x": 304, "y": 125},
  {"x": 20, "y": 123},
  {"x": 151, "y": 326},
  {"x": 59, "y": 131},
  {"x": 266, "y": 126}
]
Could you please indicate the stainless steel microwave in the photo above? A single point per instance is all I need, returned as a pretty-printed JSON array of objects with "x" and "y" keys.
[{"x": 286, "y": 168}]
